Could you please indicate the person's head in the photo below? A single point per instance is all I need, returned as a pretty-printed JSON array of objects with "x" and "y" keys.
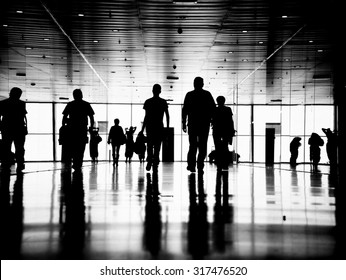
[
  {"x": 198, "y": 83},
  {"x": 156, "y": 90},
  {"x": 77, "y": 94},
  {"x": 116, "y": 121},
  {"x": 15, "y": 93},
  {"x": 220, "y": 100}
]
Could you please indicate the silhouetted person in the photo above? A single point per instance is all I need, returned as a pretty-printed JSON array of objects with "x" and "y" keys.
[
  {"x": 294, "y": 146},
  {"x": 65, "y": 142},
  {"x": 223, "y": 132},
  {"x": 152, "y": 219},
  {"x": 116, "y": 138},
  {"x": 130, "y": 143},
  {"x": 197, "y": 112},
  {"x": 76, "y": 115},
  {"x": 315, "y": 141},
  {"x": 331, "y": 146},
  {"x": 140, "y": 146},
  {"x": 13, "y": 124},
  {"x": 155, "y": 107},
  {"x": 95, "y": 140}
]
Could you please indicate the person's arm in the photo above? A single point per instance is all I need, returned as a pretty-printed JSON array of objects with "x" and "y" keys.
[
  {"x": 65, "y": 114},
  {"x": 167, "y": 116},
  {"x": 184, "y": 114},
  {"x": 109, "y": 136},
  {"x": 92, "y": 120},
  {"x": 144, "y": 123}
]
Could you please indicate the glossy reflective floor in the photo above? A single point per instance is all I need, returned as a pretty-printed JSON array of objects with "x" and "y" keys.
[{"x": 105, "y": 212}]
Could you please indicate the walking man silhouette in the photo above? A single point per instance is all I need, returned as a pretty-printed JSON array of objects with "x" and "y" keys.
[
  {"x": 155, "y": 107},
  {"x": 76, "y": 115},
  {"x": 198, "y": 110},
  {"x": 13, "y": 125}
]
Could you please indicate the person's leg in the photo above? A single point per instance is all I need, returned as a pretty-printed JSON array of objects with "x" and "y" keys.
[
  {"x": 150, "y": 151},
  {"x": 19, "y": 141},
  {"x": 114, "y": 153},
  {"x": 158, "y": 137},
  {"x": 191, "y": 155},
  {"x": 224, "y": 154},
  {"x": 79, "y": 143},
  {"x": 202, "y": 147},
  {"x": 117, "y": 154},
  {"x": 218, "y": 150},
  {"x": 157, "y": 149},
  {"x": 7, "y": 140}
]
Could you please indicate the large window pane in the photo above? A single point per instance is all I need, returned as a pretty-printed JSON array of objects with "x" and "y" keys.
[{"x": 39, "y": 117}]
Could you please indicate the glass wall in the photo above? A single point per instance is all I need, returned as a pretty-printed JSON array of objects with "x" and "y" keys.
[{"x": 44, "y": 121}]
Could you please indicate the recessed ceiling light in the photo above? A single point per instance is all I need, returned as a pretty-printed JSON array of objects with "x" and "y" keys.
[
  {"x": 81, "y": 15},
  {"x": 320, "y": 51},
  {"x": 5, "y": 25},
  {"x": 183, "y": 2},
  {"x": 311, "y": 41},
  {"x": 260, "y": 42},
  {"x": 230, "y": 52},
  {"x": 28, "y": 48},
  {"x": 245, "y": 60},
  {"x": 95, "y": 41},
  {"x": 244, "y": 31},
  {"x": 46, "y": 39},
  {"x": 19, "y": 12},
  {"x": 284, "y": 16}
]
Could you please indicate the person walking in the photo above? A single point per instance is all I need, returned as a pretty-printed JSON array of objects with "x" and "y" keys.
[
  {"x": 130, "y": 143},
  {"x": 76, "y": 114},
  {"x": 116, "y": 138},
  {"x": 223, "y": 132},
  {"x": 197, "y": 112},
  {"x": 315, "y": 141},
  {"x": 14, "y": 128},
  {"x": 294, "y": 147},
  {"x": 155, "y": 108},
  {"x": 95, "y": 140}
]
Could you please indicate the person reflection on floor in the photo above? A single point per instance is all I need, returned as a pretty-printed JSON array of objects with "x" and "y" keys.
[
  {"x": 197, "y": 228},
  {"x": 223, "y": 213},
  {"x": 72, "y": 216},
  {"x": 152, "y": 220},
  {"x": 12, "y": 214}
]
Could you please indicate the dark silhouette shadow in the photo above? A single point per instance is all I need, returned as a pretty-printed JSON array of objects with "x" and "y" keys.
[
  {"x": 315, "y": 141},
  {"x": 95, "y": 140},
  {"x": 64, "y": 141},
  {"x": 197, "y": 112},
  {"x": 152, "y": 220},
  {"x": 76, "y": 114},
  {"x": 198, "y": 226},
  {"x": 116, "y": 137},
  {"x": 130, "y": 143},
  {"x": 223, "y": 132},
  {"x": 155, "y": 108},
  {"x": 223, "y": 213},
  {"x": 12, "y": 214},
  {"x": 13, "y": 125},
  {"x": 140, "y": 146},
  {"x": 332, "y": 149},
  {"x": 72, "y": 216},
  {"x": 294, "y": 150}
]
